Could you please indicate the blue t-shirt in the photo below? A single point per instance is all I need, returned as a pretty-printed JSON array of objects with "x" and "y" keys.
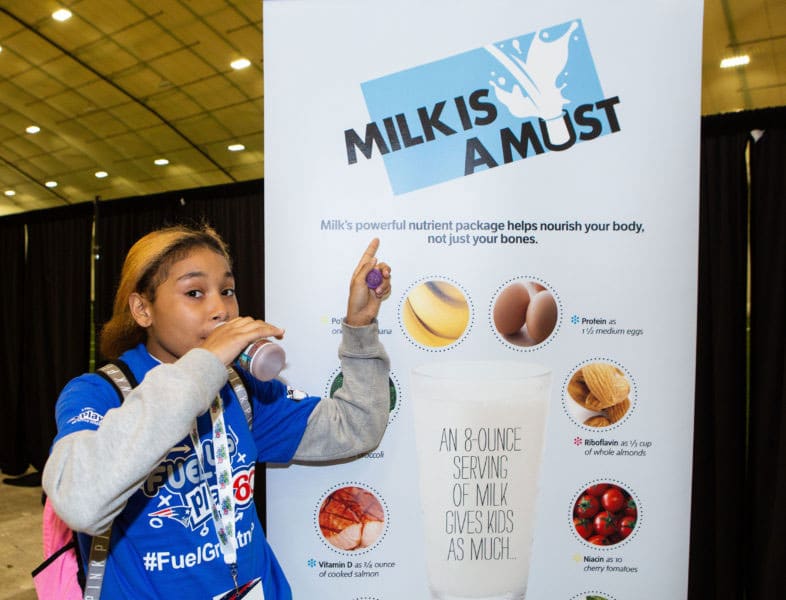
[{"x": 164, "y": 543}]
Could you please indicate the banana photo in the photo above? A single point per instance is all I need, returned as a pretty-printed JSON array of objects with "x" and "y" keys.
[{"x": 435, "y": 313}]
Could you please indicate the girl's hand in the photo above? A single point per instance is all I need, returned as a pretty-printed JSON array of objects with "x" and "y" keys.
[
  {"x": 233, "y": 336},
  {"x": 364, "y": 302}
]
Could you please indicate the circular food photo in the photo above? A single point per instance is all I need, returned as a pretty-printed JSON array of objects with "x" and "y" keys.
[
  {"x": 435, "y": 313},
  {"x": 525, "y": 313},
  {"x": 592, "y": 596},
  {"x": 604, "y": 514},
  {"x": 351, "y": 518},
  {"x": 598, "y": 395}
]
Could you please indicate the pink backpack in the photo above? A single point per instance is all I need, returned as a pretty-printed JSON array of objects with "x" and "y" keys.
[
  {"x": 58, "y": 576},
  {"x": 61, "y": 576}
]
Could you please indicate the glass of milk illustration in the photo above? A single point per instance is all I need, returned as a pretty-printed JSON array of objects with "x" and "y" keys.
[{"x": 479, "y": 430}]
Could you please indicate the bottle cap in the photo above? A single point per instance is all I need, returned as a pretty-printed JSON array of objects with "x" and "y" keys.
[
  {"x": 263, "y": 359},
  {"x": 374, "y": 278}
]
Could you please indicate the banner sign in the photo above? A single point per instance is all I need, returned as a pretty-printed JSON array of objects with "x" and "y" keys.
[
  {"x": 531, "y": 170},
  {"x": 505, "y": 102}
]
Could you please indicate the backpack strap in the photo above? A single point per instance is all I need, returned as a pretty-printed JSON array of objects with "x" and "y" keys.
[
  {"x": 120, "y": 376},
  {"x": 122, "y": 379},
  {"x": 242, "y": 395}
]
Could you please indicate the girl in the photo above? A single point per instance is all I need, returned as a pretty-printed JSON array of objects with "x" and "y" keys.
[{"x": 154, "y": 466}]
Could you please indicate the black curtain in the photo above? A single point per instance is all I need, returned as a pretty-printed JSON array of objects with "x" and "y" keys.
[
  {"x": 719, "y": 422},
  {"x": 737, "y": 545},
  {"x": 14, "y": 457},
  {"x": 766, "y": 484},
  {"x": 56, "y": 317}
]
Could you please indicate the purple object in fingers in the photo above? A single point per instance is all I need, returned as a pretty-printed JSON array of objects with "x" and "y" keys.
[{"x": 374, "y": 278}]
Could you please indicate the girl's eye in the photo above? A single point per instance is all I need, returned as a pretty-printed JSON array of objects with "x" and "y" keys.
[
  {"x": 194, "y": 293},
  {"x": 229, "y": 292}
]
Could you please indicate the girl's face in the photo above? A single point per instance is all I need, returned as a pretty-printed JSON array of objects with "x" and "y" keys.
[{"x": 198, "y": 293}]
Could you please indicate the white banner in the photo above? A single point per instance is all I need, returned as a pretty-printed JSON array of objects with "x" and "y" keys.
[{"x": 531, "y": 169}]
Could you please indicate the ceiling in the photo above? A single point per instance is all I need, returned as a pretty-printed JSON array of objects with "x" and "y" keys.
[
  {"x": 120, "y": 84},
  {"x": 753, "y": 27},
  {"x": 124, "y": 82}
]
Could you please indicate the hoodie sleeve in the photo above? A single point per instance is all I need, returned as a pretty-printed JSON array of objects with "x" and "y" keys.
[
  {"x": 103, "y": 454},
  {"x": 354, "y": 419}
]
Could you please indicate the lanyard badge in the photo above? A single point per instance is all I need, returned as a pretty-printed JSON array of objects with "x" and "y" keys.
[{"x": 223, "y": 506}]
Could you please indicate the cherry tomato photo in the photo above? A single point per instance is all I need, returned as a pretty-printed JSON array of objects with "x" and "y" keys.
[
  {"x": 598, "y": 540},
  {"x": 605, "y": 523},
  {"x": 630, "y": 508},
  {"x": 587, "y": 506},
  {"x": 584, "y": 527},
  {"x": 627, "y": 524},
  {"x": 613, "y": 499},
  {"x": 605, "y": 513},
  {"x": 598, "y": 489}
]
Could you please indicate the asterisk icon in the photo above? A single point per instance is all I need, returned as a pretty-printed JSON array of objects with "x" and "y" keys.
[
  {"x": 312, "y": 563},
  {"x": 578, "y": 441},
  {"x": 574, "y": 319}
]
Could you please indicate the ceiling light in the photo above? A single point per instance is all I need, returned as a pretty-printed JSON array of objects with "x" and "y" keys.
[
  {"x": 62, "y": 14},
  {"x": 735, "y": 61},
  {"x": 236, "y": 147},
  {"x": 161, "y": 162},
  {"x": 240, "y": 63},
  {"x": 33, "y": 129},
  {"x": 10, "y": 193},
  {"x": 51, "y": 184},
  {"x": 101, "y": 174}
]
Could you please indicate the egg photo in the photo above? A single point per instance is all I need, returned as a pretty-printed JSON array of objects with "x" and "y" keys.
[{"x": 525, "y": 313}]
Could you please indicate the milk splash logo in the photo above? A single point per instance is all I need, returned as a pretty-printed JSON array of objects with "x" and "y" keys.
[{"x": 505, "y": 102}]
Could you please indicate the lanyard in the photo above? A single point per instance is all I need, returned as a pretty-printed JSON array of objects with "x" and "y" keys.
[{"x": 223, "y": 507}]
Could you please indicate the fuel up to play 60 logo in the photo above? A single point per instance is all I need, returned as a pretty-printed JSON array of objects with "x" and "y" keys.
[{"x": 504, "y": 102}]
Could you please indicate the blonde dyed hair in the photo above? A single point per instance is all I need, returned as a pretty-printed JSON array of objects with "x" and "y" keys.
[{"x": 146, "y": 266}]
